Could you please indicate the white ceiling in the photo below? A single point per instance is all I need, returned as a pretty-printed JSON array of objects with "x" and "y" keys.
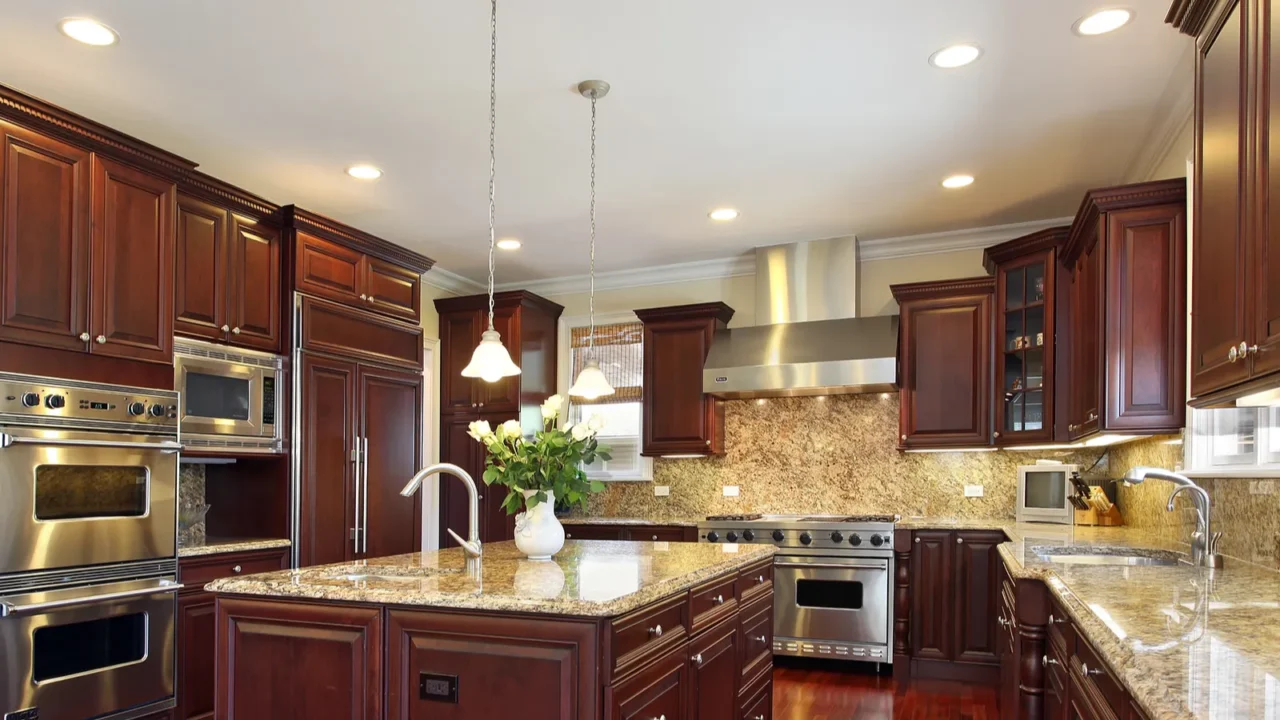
[{"x": 816, "y": 118}]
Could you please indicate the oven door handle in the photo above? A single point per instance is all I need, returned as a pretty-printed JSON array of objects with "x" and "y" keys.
[
  {"x": 832, "y": 566},
  {"x": 9, "y": 607},
  {"x": 166, "y": 446}
]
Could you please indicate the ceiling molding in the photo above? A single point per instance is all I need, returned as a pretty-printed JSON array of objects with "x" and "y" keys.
[
  {"x": 452, "y": 282},
  {"x": 1174, "y": 114},
  {"x": 952, "y": 240},
  {"x": 720, "y": 269}
]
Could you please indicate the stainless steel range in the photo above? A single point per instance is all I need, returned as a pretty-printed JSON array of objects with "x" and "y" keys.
[{"x": 833, "y": 580}]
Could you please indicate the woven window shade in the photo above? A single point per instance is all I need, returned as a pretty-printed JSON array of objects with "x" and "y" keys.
[{"x": 619, "y": 348}]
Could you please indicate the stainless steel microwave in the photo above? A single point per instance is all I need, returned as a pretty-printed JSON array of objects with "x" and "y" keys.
[
  {"x": 230, "y": 398},
  {"x": 1044, "y": 493}
]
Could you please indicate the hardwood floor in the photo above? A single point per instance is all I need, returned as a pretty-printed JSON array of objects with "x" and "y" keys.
[{"x": 812, "y": 691}]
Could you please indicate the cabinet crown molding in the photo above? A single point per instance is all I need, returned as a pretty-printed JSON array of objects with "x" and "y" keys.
[
  {"x": 505, "y": 299},
  {"x": 711, "y": 311},
  {"x": 1190, "y": 16},
  {"x": 214, "y": 190},
  {"x": 1100, "y": 200},
  {"x": 1049, "y": 238},
  {"x": 330, "y": 229},
  {"x": 985, "y": 285}
]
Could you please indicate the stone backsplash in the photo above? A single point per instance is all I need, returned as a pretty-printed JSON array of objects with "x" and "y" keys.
[{"x": 191, "y": 479}]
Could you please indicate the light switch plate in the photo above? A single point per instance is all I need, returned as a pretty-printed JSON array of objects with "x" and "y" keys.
[
  {"x": 973, "y": 491},
  {"x": 731, "y": 491},
  {"x": 661, "y": 490}
]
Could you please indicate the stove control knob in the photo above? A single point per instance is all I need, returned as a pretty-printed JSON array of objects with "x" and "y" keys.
[
  {"x": 877, "y": 541},
  {"x": 55, "y": 402},
  {"x": 157, "y": 411},
  {"x": 777, "y": 535},
  {"x": 732, "y": 536},
  {"x": 748, "y": 535},
  {"x": 137, "y": 408},
  {"x": 713, "y": 536},
  {"x": 855, "y": 540},
  {"x": 30, "y": 399},
  {"x": 806, "y": 538},
  {"x": 837, "y": 537}
]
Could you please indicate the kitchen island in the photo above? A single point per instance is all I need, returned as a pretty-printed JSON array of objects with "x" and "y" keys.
[{"x": 607, "y": 629}]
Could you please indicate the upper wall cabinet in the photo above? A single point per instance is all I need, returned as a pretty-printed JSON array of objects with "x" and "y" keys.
[
  {"x": 1127, "y": 296},
  {"x": 678, "y": 418},
  {"x": 228, "y": 266},
  {"x": 944, "y": 358},
  {"x": 1028, "y": 317},
  {"x": 339, "y": 263},
  {"x": 1235, "y": 254}
]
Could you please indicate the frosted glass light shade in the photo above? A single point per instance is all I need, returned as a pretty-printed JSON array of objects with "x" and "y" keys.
[
  {"x": 490, "y": 362},
  {"x": 591, "y": 382}
]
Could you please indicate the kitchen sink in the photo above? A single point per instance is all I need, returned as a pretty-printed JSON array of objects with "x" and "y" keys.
[
  {"x": 388, "y": 573},
  {"x": 1090, "y": 555}
]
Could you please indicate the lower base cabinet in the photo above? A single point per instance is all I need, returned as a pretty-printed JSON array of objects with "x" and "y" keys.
[{"x": 657, "y": 533}]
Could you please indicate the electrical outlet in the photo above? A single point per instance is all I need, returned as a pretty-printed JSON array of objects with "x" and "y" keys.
[
  {"x": 1262, "y": 487},
  {"x": 973, "y": 491},
  {"x": 731, "y": 491},
  {"x": 661, "y": 490}
]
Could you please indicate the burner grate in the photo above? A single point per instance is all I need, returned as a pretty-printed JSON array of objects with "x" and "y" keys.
[{"x": 735, "y": 518}]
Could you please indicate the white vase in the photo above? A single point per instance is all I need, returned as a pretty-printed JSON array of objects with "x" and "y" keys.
[{"x": 539, "y": 534}]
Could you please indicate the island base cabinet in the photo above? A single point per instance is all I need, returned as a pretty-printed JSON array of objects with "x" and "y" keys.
[
  {"x": 713, "y": 673},
  {"x": 295, "y": 660},
  {"x": 659, "y": 690},
  {"x": 451, "y": 665}
]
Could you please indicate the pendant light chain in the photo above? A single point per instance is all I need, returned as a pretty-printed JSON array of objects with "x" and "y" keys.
[
  {"x": 591, "y": 297},
  {"x": 493, "y": 124}
]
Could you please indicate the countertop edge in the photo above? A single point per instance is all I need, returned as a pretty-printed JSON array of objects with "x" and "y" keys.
[
  {"x": 220, "y": 548},
  {"x": 626, "y": 521}
]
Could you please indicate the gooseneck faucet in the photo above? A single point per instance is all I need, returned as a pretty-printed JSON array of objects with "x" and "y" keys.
[
  {"x": 470, "y": 546},
  {"x": 1204, "y": 542}
]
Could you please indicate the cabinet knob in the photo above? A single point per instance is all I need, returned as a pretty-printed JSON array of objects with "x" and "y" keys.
[
  {"x": 473, "y": 404},
  {"x": 719, "y": 599},
  {"x": 697, "y": 659},
  {"x": 1048, "y": 661},
  {"x": 1000, "y": 619},
  {"x": 761, "y": 639},
  {"x": 996, "y": 433},
  {"x": 364, "y": 298},
  {"x": 226, "y": 328},
  {"x": 236, "y": 569},
  {"x": 1088, "y": 671},
  {"x": 917, "y": 540},
  {"x": 904, "y": 438},
  {"x": 1056, "y": 620},
  {"x": 655, "y": 537},
  {"x": 1233, "y": 354},
  {"x": 656, "y": 631},
  {"x": 569, "y": 535},
  {"x": 758, "y": 717},
  {"x": 959, "y": 541},
  {"x": 102, "y": 339},
  {"x": 759, "y": 579},
  {"x": 235, "y": 331},
  {"x": 480, "y": 404},
  {"x": 84, "y": 337},
  {"x": 1249, "y": 349},
  {"x": 1093, "y": 415}
]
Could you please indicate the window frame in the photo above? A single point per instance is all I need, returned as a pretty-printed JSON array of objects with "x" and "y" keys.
[
  {"x": 1198, "y": 459},
  {"x": 564, "y": 366}
]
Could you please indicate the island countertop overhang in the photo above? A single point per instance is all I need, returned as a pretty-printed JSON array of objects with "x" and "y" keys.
[{"x": 588, "y": 578}]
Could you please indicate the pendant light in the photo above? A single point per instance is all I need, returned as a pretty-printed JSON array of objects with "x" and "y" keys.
[
  {"x": 491, "y": 362},
  {"x": 591, "y": 382}
]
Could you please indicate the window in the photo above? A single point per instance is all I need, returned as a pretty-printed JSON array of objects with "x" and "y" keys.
[
  {"x": 1233, "y": 440},
  {"x": 619, "y": 348}
]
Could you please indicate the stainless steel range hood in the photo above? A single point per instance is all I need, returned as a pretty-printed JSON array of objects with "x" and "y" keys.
[{"x": 809, "y": 339}]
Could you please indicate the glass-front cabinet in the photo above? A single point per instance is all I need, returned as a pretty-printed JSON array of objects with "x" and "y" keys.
[{"x": 1026, "y": 322}]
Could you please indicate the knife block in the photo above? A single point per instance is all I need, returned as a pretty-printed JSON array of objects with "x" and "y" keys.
[{"x": 1091, "y": 517}]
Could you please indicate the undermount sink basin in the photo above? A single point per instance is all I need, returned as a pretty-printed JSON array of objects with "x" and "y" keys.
[{"x": 1069, "y": 555}]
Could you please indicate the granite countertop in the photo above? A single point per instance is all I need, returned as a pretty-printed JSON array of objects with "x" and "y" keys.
[
  {"x": 677, "y": 522},
  {"x": 1187, "y": 642},
  {"x": 215, "y": 546},
  {"x": 597, "y": 578}
]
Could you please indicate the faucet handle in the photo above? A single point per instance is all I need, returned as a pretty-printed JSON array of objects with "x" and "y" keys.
[
  {"x": 471, "y": 549},
  {"x": 1214, "y": 538}
]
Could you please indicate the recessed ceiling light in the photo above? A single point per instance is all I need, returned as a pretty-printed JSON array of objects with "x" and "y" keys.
[
  {"x": 509, "y": 243},
  {"x": 955, "y": 56},
  {"x": 364, "y": 172},
  {"x": 957, "y": 181},
  {"x": 87, "y": 31},
  {"x": 723, "y": 214},
  {"x": 1102, "y": 21}
]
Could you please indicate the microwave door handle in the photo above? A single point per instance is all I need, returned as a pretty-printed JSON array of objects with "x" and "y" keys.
[
  {"x": 831, "y": 566},
  {"x": 9, "y": 607},
  {"x": 7, "y": 440}
]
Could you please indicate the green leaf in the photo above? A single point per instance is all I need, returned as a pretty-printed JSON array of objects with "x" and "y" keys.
[
  {"x": 604, "y": 456},
  {"x": 597, "y": 486}
]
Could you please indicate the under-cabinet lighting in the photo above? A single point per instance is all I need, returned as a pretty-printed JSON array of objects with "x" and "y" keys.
[
  {"x": 951, "y": 450},
  {"x": 1105, "y": 440},
  {"x": 1266, "y": 398},
  {"x": 1048, "y": 446}
]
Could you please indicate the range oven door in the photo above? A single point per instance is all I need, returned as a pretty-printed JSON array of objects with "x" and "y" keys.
[
  {"x": 70, "y": 498},
  {"x": 220, "y": 397},
  {"x": 102, "y": 651},
  {"x": 832, "y": 600}
]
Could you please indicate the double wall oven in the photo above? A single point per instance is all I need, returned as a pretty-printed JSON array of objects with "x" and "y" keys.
[{"x": 88, "y": 545}]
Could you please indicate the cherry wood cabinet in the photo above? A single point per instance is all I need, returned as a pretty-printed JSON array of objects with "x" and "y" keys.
[
  {"x": 933, "y": 594},
  {"x": 714, "y": 668},
  {"x": 528, "y": 326},
  {"x": 390, "y": 422},
  {"x": 652, "y": 533},
  {"x": 945, "y": 367},
  {"x": 1128, "y": 310},
  {"x": 679, "y": 419},
  {"x": 977, "y": 589}
]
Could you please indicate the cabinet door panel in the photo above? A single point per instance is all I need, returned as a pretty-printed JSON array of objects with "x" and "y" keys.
[
  {"x": 932, "y": 594},
  {"x": 713, "y": 673},
  {"x": 44, "y": 239},
  {"x": 457, "y": 447},
  {"x": 392, "y": 289},
  {"x": 391, "y": 428},
  {"x": 459, "y": 333},
  {"x": 1218, "y": 262},
  {"x": 329, "y": 270},
  {"x": 675, "y": 413},
  {"x": 503, "y": 395},
  {"x": 946, "y": 397},
  {"x": 201, "y": 255},
  {"x": 328, "y": 418},
  {"x": 495, "y": 524},
  {"x": 1146, "y": 328},
  {"x": 196, "y": 644},
  {"x": 659, "y": 690},
  {"x": 1086, "y": 344},
  {"x": 977, "y": 596},
  {"x": 255, "y": 285},
  {"x": 1265, "y": 289},
  {"x": 132, "y": 263}
]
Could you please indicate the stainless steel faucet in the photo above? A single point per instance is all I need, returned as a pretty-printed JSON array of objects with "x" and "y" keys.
[
  {"x": 1204, "y": 542},
  {"x": 470, "y": 546}
]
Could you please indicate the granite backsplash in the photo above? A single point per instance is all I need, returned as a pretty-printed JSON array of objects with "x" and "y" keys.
[{"x": 191, "y": 479}]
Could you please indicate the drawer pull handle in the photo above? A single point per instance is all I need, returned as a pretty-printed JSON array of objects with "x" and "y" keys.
[
  {"x": 1088, "y": 671},
  {"x": 236, "y": 569},
  {"x": 697, "y": 659},
  {"x": 761, "y": 639},
  {"x": 656, "y": 631},
  {"x": 719, "y": 599}
]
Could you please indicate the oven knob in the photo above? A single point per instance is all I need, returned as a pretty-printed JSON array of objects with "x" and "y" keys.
[
  {"x": 876, "y": 540},
  {"x": 748, "y": 535},
  {"x": 777, "y": 535},
  {"x": 30, "y": 399},
  {"x": 713, "y": 536},
  {"x": 806, "y": 538},
  {"x": 137, "y": 408},
  {"x": 732, "y": 536},
  {"x": 157, "y": 411},
  {"x": 837, "y": 537},
  {"x": 855, "y": 539},
  {"x": 55, "y": 402}
]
